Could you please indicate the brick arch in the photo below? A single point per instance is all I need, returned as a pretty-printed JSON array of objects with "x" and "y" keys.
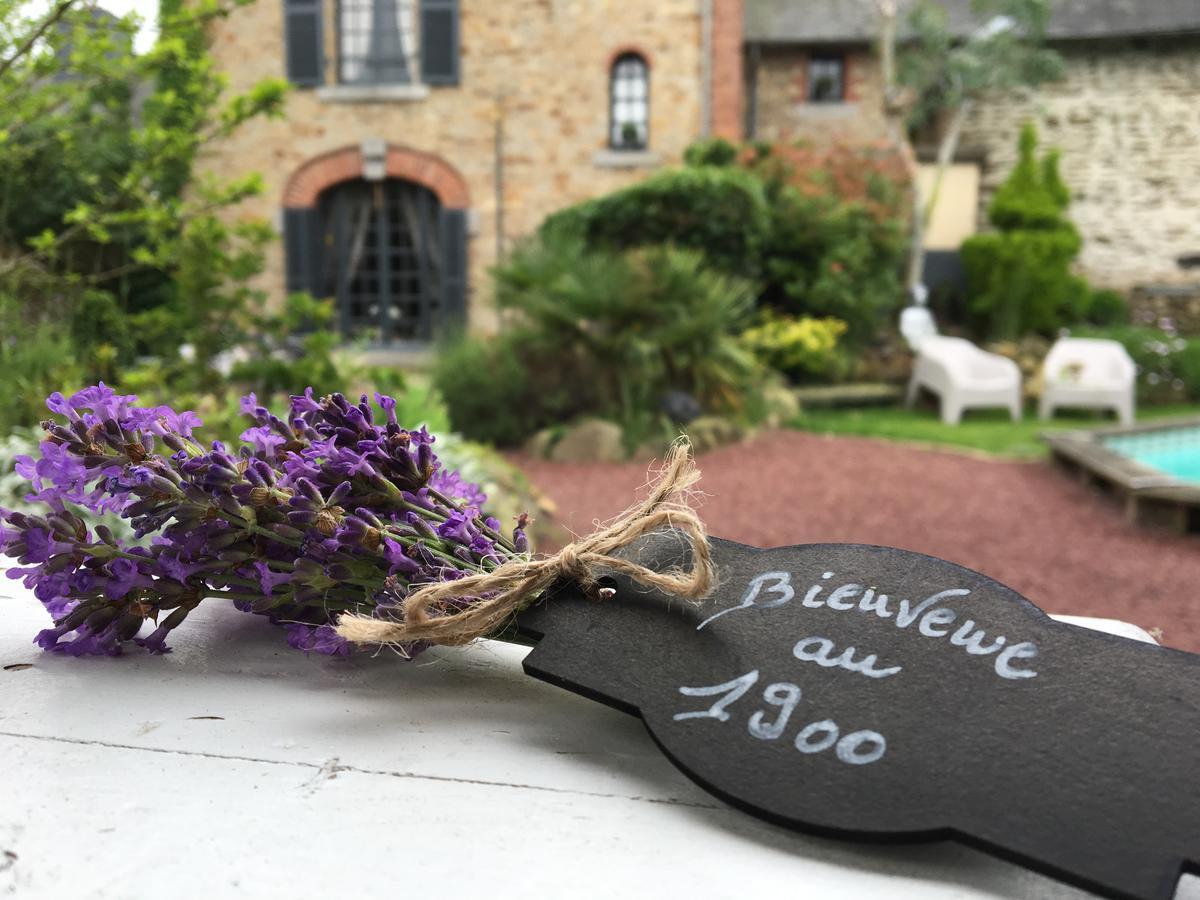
[
  {"x": 324, "y": 171},
  {"x": 632, "y": 49}
]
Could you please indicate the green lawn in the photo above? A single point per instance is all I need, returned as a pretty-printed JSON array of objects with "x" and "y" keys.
[{"x": 988, "y": 430}]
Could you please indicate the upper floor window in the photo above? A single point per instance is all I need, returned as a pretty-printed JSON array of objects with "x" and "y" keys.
[
  {"x": 379, "y": 42},
  {"x": 629, "y": 103},
  {"x": 375, "y": 41},
  {"x": 826, "y": 79}
]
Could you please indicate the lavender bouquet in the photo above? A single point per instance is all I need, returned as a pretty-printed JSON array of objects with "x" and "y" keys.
[{"x": 327, "y": 513}]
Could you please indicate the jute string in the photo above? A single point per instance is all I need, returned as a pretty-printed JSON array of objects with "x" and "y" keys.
[{"x": 434, "y": 613}]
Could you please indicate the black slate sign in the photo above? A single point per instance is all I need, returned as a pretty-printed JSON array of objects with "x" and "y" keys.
[{"x": 879, "y": 694}]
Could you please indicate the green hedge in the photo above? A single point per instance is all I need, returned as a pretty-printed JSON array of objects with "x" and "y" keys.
[
  {"x": 1168, "y": 364},
  {"x": 722, "y": 211}
]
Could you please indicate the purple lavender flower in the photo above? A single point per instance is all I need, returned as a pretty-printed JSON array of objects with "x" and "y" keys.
[
  {"x": 318, "y": 639},
  {"x": 324, "y": 513}
]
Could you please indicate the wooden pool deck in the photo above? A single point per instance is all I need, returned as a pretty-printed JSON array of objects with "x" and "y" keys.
[{"x": 1151, "y": 497}]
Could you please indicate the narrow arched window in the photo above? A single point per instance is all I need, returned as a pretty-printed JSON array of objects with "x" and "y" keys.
[{"x": 629, "y": 103}]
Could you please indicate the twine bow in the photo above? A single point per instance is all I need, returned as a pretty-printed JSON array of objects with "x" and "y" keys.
[{"x": 433, "y": 612}]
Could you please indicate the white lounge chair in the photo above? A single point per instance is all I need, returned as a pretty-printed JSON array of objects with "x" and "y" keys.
[
  {"x": 1088, "y": 373},
  {"x": 964, "y": 377}
]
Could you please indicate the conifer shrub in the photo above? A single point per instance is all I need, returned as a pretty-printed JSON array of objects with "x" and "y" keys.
[{"x": 1019, "y": 275}]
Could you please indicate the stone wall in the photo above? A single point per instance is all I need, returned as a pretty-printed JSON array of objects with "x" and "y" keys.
[
  {"x": 539, "y": 68},
  {"x": 1125, "y": 119},
  {"x": 1173, "y": 307}
]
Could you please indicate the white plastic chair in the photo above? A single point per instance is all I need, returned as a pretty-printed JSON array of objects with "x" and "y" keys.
[
  {"x": 964, "y": 377},
  {"x": 1088, "y": 373}
]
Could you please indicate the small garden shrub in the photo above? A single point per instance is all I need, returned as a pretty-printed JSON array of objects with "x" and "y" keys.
[
  {"x": 1168, "y": 364},
  {"x": 1108, "y": 308},
  {"x": 711, "y": 152},
  {"x": 500, "y": 389},
  {"x": 600, "y": 333},
  {"x": 831, "y": 259},
  {"x": 37, "y": 357},
  {"x": 805, "y": 349},
  {"x": 1019, "y": 276}
]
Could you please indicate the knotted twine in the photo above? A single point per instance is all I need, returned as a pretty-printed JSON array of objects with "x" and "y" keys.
[{"x": 435, "y": 612}]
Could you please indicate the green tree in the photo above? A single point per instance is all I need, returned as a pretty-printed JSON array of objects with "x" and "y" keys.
[
  {"x": 99, "y": 237},
  {"x": 934, "y": 77}
]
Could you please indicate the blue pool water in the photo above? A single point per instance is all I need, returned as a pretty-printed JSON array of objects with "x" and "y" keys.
[{"x": 1175, "y": 451}]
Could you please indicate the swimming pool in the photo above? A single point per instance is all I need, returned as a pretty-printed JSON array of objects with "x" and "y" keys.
[
  {"x": 1154, "y": 468},
  {"x": 1172, "y": 451}
]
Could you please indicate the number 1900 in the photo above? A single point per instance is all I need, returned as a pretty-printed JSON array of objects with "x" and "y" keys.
[{"x": 858, "y": 748}]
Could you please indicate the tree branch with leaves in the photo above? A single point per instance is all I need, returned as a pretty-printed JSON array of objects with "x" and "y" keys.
[
  {"x": 99, "y": 207},
  {"x": 934, "y": 76}
]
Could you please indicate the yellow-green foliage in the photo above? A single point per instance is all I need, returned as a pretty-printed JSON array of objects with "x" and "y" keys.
[{"x": 801, "y": 346}]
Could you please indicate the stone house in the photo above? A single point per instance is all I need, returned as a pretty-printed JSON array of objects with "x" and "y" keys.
[
  {"x": 1126, "y": 117},
  {"x": 424, "y": 136}
]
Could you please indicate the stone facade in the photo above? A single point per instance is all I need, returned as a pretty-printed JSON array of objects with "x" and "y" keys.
[
  {"x": 1125, "y": 120},
  {"x": 1123, "y": 116},
  {"x": 523, "y": 133}
]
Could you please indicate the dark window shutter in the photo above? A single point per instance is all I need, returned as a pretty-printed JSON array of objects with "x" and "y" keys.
[
  {"x": 454, "y": 267},
  {"x": 439, "y": 41},
  {"x": 302, "y": 250},
  {"x": 302, "y": 38}
]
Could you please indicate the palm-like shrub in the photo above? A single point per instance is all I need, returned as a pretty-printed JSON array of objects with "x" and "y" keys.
[{"x": 601, "y": 333}]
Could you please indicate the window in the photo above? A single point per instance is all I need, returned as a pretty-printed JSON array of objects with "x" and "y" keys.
[
  {"x": 375, "y": 41},
  {"x": 384, "y": 47},
  {"x": 826, "y": 79},
  {"x": 629, "y": 103}
]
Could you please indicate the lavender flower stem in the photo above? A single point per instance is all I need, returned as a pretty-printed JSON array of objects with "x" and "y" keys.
[{"x": 324, "y": 513}]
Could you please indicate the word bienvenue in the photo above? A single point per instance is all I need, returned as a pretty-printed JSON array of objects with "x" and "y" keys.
[
  {"x": 932, "y": 619},
  {"x": 858, "y": 748}
]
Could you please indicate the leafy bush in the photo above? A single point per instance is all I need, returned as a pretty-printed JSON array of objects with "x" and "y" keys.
[
  {"x": 1019, "y": 275},
  {"x": 831, "y": 259},
  {"x": 803, "y": 348},
  {"x": 1168, "y": 364},
  {"x": 499, "y": 390},
  {"x": 599, "y": 333},
  {"x": 873, "y": 175},
  {"x": 1108, "y": 308},
  {"x": 819, "y": 230},
  {"x": 711, "y": 152},
  {"x": 37, "y": 357},
  {"x": 721, "y": 211}
]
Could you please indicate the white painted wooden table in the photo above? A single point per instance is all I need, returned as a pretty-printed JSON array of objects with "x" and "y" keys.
[{"x": 236, "y": 766}]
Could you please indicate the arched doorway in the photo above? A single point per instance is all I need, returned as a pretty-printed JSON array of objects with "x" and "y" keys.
[
  {"x": 383, "y": 258},
  {"x": 382, "y": 230}
]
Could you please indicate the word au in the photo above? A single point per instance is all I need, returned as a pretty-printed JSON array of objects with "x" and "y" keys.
[
  {"x": 820, "y": 651},
  {"x": 859, "y": 748},
  {"x": 773, "y": 589}
]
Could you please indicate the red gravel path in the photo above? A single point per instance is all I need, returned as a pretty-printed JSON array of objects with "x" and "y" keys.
[{"x": 1064, "y": 546}]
